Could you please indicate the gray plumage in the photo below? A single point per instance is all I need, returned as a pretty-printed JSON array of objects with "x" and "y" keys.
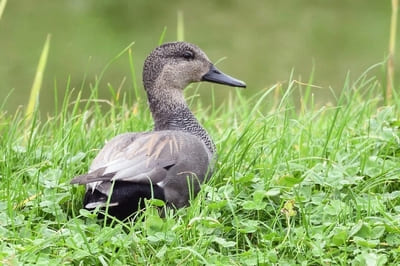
[{"x": 170, "y": 162}]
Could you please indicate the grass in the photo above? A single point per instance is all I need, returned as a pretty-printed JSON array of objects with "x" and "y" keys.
[
  {"x": 311, "y": 185},
  {"x": 392, "y": 45},
  {"x": 37, "y": 82},
  {"x": 2, "y": 7}
]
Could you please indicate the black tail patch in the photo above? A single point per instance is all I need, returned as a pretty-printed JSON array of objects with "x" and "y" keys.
[{"x": 130, "y": 197}]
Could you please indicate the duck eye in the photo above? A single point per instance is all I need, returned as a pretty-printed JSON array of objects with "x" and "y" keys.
[{"x": 188, "y": 55}]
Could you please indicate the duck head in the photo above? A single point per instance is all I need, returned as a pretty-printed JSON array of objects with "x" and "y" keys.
[{"x": 175, "y": 65}]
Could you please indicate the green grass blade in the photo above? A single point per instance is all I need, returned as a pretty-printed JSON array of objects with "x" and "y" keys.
[
  {"x": 133, "y": 75},
  {"x": 180, "y": 28},
  {"x": 161, "y": 40},
  {"x": 307, "y": 93},
  {"x": 37, "y": 82},
  {"x": 392, "y": 46},
  {"x": 109, "y": 63},
  {"x": 2, "y": 106},
  {"x": 2, "y": 7}
]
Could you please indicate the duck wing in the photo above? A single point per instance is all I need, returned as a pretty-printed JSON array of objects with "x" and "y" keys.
[
  {"x": 165, "y": 159},
  {"x": 136, "y": 157}
]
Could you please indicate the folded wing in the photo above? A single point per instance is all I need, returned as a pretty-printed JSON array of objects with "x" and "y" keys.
[{"x": 164, "y": 159}]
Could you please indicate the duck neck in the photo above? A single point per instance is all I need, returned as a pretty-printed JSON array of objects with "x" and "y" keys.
[{"x": 170, "y": 112}]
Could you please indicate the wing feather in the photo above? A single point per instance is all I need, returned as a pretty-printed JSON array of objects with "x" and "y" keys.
[
  {"x": 142, "y": 158},
  {"x": 163, "y": 158}
]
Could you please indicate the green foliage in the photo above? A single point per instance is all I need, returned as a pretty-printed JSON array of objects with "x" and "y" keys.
[
  {"x": 2, "y": 7},
  {"x": 315, "y": 186}
]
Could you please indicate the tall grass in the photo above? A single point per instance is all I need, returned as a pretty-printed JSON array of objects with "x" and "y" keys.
[
  {"x": 319, "y": 186},
  {"x": 392, "y": 46},
  {"x": 180, "y": 27},
  {"x": 2, "y": 7},
  {"x": 313, "y": 185},
  {"x": 37, "y": 82}
]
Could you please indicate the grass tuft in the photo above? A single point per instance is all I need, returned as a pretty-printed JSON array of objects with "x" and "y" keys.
[{"x": 314, "y": 186}]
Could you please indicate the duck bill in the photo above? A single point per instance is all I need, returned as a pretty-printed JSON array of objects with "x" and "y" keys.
[{"x": 216, "y": 76}]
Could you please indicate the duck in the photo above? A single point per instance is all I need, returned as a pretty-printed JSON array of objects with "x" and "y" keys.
[{"x": 172, "y": 161}]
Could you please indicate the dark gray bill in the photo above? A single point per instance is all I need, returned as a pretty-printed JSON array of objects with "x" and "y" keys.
[{"x": 216, "y": 76}]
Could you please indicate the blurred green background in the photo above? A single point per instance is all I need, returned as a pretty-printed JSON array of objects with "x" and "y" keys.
[{"x": 261, "y": 40}]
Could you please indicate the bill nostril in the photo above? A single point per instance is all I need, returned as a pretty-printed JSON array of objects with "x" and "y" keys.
[{"x": 216, "y": 71}]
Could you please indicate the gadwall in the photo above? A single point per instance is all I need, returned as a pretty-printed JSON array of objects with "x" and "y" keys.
[{"x": 170, "y": 162}]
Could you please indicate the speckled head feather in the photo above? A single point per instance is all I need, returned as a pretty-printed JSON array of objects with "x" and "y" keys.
[{"x": 175, "y": 65}]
